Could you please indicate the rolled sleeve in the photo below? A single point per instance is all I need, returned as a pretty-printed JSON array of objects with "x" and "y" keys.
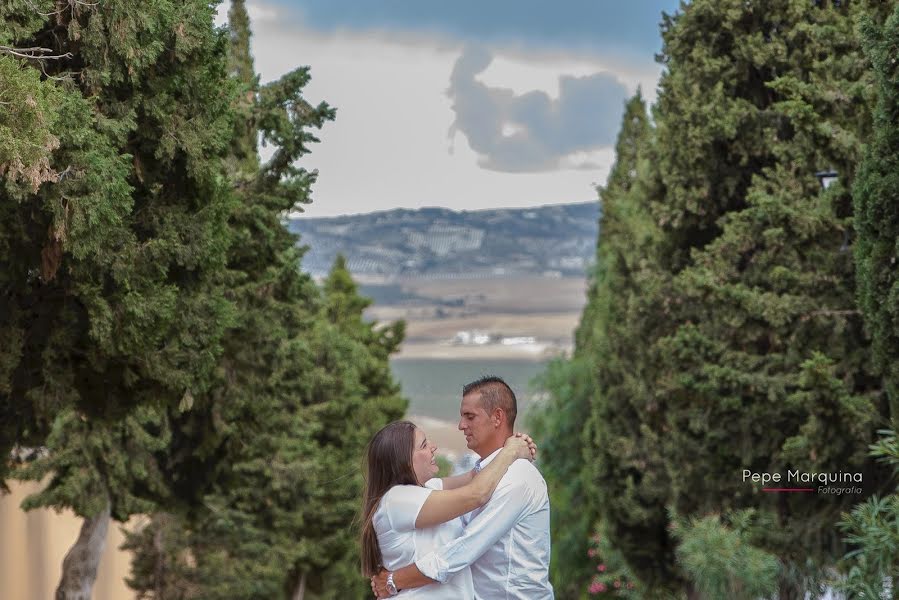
[
  {"x": 505, "y": 508},
  {"x": 433, "y": 567}
]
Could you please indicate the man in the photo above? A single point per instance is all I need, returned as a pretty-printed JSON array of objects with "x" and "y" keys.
[{"x": 506, "y": 542}]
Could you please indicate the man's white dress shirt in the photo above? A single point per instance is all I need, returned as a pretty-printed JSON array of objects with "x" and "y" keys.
[{"x": 506, "y": 542}]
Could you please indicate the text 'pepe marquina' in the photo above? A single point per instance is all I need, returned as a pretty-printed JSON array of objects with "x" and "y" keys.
[{"x": 798, "y": 476}]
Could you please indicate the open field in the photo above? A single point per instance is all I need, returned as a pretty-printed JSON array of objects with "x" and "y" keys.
[
  {"x": 432, "y": 369},
  {"x": 538, "y": 352},
  {"x": 514, "y": 295},
  {"x": 435, "y": 310}
]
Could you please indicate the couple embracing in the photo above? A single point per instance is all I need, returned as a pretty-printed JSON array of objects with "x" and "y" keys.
[{"x": 482, "y": 535}]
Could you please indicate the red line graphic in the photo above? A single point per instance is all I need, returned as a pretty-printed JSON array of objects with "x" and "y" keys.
[{"x": 788, "y": 489}]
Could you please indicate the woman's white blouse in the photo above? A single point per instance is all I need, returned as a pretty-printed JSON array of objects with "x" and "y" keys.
[{"x": 402, "y": 544}]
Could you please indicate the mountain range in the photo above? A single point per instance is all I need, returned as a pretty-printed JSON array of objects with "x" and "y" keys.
[{"x": 556, "y": 240}]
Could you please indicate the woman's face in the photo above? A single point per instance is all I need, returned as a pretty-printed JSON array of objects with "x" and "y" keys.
[{"x": 424, "y": 461}]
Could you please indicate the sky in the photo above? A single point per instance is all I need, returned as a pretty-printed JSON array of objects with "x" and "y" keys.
[{"x": 465, "y": 105}]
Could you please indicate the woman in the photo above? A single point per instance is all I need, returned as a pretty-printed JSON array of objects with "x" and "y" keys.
[{"x": 408, "y": 513}]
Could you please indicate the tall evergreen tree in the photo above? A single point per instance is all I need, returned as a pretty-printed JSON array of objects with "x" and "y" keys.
[
  {"x": 877, "y": 213},
  {"x": 301, "y": 371},
  {"x": 557, "y": 426},
  {"x": 622, "y": 463},
  {"x": 243, "y": 159},
  {"x": 622, "y": 484},
  {"x": 114, "y": 210},
  {"x": 872, "y": 528},
  {"x": 742, "y": 346},
  {"x": 767, "y": 367}
]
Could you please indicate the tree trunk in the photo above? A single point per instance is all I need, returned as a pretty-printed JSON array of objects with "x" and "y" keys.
[
  {"x": 79, "y": 568},
  {"x": 300, "y": 590}
]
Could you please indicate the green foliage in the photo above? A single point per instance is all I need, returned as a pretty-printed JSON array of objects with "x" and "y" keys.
[
  {"x": 557, "y": 425},
  {"x": 611, "y": 575},
  {"x": 129, "y": 477},
  {"x": 169, "y": 571},
  {"x": 872, "y": 528},
  {"x": 282, "y": 511},
  {"x": 877, "y": 213},
  {"x": 602, "y": 472},
  {"x": 720, "y": 560},
  {"x": 624, "y": 470},
  {"x": 305, "y": 383},
  {"x": 721, "y": 325},
  {"x": 445, "y": 466},
  {"x": 113, "y": 248},
  {"x": 768, "y": 367},
  {"x": 165, "y": 353},
  {"x": 27, "y": 126},
  {"x": 243, "y": 162}
]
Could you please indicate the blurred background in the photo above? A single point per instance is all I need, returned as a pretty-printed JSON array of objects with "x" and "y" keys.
[{"x": 237, "y": 239}]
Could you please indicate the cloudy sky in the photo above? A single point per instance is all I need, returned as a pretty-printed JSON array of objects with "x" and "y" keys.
[{"x": 464, "y": 104}]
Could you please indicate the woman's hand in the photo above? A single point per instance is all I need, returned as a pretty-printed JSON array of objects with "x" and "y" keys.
[
  {"x": 532, "y": 446},
  {"x": 523, "y": 446}
]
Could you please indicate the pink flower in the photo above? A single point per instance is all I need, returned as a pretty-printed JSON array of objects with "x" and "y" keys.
[
  {"x": 591, "y": 552},
  {"x": 596, "y": 587},
  {"x": 601, "y": 568},
  {"x": 617, "y": 584},
  {"x": 630, "y": 585}
]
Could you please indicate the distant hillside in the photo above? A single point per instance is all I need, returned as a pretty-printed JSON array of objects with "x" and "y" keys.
[{"x": 437, "y": 242}]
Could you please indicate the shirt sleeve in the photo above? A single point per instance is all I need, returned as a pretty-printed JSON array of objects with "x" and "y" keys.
[
  {"x": 507, "y": 505},
  {"x": 403, "y": 503},
  {"x": 435, "y": 484}
]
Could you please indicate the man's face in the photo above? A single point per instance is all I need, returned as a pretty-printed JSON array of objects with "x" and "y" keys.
[{"x": 474, "y": 422}]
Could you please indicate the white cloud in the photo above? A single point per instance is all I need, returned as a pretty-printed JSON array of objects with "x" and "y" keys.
[{"x": 388, "y": 146}]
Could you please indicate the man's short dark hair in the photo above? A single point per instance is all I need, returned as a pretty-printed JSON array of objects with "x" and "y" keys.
[{"x": 495, "y": 393}]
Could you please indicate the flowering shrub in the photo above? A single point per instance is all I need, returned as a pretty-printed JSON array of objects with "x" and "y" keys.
[{"x": 612, "y": 578}]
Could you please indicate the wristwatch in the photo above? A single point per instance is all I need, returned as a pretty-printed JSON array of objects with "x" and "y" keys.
[{"x": 391, "y": 587}]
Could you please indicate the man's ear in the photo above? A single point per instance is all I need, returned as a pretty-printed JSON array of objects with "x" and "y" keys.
[{"x": 499, "y": 417}]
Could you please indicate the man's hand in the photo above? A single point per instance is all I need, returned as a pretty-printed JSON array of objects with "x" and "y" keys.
[{"x": 379, "y": 584}]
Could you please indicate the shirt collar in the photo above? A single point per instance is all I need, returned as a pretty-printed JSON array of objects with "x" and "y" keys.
[{"x": 483, "y": 462}]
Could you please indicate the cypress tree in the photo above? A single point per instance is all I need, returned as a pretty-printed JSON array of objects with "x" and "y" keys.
[
  {"x": 269, "y": 462},
  {"x": 747, "y": 349},
  {"x": 114, "y": 230},
  {"x": 877, "y": 214},
  {"x": 767, "y": 367},
  {"x": 557, "y": 425},
  {"x": 607, "y": 477},
  {"x": 243, "y": 158},
  {"x": 872, "y": 528},
  {"x": 623, "y": 466}
]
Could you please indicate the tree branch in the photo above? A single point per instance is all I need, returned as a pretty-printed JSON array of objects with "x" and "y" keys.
[{"x": 35, "y": 53}]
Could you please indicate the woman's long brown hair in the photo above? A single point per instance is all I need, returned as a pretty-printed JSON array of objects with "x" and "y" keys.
[{"x": 388, "y": 462}]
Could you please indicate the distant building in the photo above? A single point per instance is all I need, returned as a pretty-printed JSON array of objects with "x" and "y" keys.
[
  {"x": 517, "y": 341},
  {"x": 471, "y": 338}
]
